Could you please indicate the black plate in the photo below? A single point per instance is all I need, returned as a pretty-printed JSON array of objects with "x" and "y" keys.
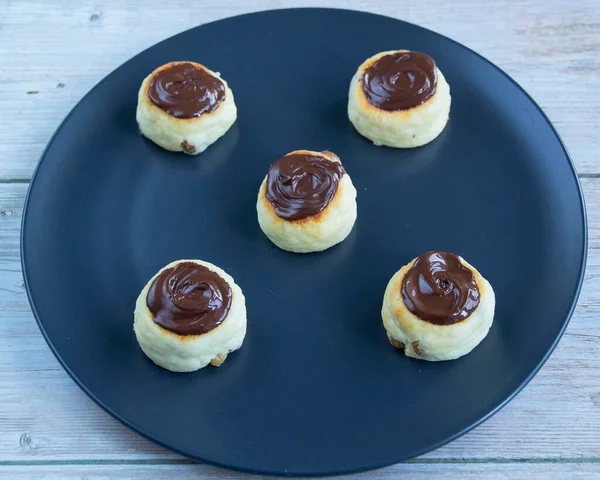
[{"x": 316, "y": 388}]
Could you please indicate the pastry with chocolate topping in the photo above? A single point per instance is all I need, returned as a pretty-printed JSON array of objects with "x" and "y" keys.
[
  {"x": 399, "y": 99},
  {"x": 190, "y": 314},
  {"x": 307, "y": 202},
  {"x": 437, "y": 307},
  {"x": 185, "y": 107}
]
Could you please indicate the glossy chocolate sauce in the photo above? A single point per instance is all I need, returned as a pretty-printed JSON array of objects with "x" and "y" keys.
[
  {"x": 301, "y": 185},
  {"x": 189, "y": 299},
  {"x": 440, "y": 289},
  {"x": 186, "y": 91},
  {"x": 400, "y": 81}
]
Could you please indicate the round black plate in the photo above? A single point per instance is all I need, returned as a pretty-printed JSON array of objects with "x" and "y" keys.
[{"x": 316, "y": 388}]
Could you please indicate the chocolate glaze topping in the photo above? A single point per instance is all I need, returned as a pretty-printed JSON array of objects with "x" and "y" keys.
[
  {"x": 301, "y": 185},
  {"x": 400, "y": 81},
  {"x": 189, "y": 299},
  {"x": 439, "y": 289},
  {"x": 186, "y": 91}
]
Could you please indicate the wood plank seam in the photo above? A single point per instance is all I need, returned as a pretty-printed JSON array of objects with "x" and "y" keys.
[{"x": 185, "y": 461}]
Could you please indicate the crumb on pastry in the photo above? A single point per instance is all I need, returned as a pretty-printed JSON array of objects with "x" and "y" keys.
[
  {"x": 396, "y": 343},
  {"x": 416, "y": 349},
  {"x": 218, "y": 360},
  {"x": 187, "y": 148}
]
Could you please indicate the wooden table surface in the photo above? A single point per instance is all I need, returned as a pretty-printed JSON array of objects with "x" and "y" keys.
[{"x": 53, "y": 52}]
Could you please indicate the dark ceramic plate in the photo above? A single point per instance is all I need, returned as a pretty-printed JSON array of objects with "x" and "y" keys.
[{"x": 316, "y": 388}]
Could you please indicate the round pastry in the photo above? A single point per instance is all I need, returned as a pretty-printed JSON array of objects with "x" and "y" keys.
[
  {"x": 307, "y": 202},
  {"x": 190, "y": 314},
  {"x": 185, "y": 107},
  {"x": 399, "y": 99},
  {"x": 438, "y": 307}
]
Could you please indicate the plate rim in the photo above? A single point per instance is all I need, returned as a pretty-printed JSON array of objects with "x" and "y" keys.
[{"x": 365, "y": 468}]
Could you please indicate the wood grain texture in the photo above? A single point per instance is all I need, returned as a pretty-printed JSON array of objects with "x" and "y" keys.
[
  {"x": 53, "y": 52},
  {"x": 412, "y": 471}
]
